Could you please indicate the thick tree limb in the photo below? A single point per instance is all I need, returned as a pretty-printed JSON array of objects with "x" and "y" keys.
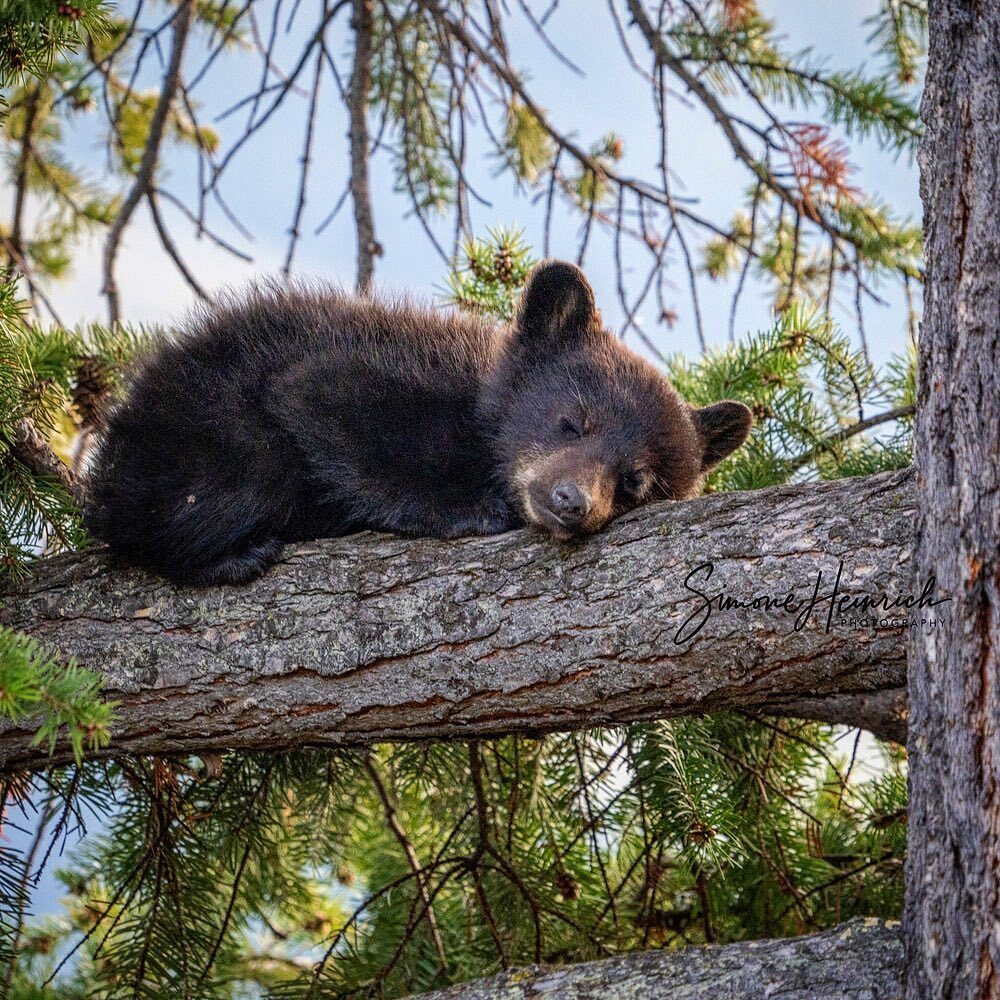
[
  {"x": 860, "y": 960},
  {"x": 356, "y": 640}
]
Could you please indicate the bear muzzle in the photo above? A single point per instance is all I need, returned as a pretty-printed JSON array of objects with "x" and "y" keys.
[
  {"x": 566, "y": 509},
  {"x": 568, "y": 504},
  {"x": 566, "y": 493}
]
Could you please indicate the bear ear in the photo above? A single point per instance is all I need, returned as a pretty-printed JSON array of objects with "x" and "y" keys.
[
  {"x": 724, "y": 427},
  {"x": 557, "y": 304}
]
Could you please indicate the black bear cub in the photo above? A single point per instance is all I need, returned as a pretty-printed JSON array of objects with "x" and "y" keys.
[{"x": 297, "y": 414}]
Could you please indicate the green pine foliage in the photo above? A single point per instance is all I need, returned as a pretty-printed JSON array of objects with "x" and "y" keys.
[
  {"x": 737, "y": 49},
  {"x": 45, "y": 107},
  {"x": 489, "y": 274},
  {"x": 34, "y": 374},
  {"x": 42, "y": 372},
  {"x": 34, "y": 32},
  {"x": 34, "y": 509},
  {"x": 812, "y": 393},
  {"x": 410, "y": 89},
  {"x": 341, "y": 874},
  {"x": 31, "y": 680},
  {"x": 899, "y": 28},
  {"x": 864, "y": 103}
]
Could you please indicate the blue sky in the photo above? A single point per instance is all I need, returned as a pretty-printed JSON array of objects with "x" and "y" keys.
[{"x": 262, "y": 184}]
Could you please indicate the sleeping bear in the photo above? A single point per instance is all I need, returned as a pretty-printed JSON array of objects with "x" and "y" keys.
[{"x": 297, "y": 413}]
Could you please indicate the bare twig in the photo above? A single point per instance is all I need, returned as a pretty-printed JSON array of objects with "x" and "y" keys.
[
  {"x": 307, "y": 146},
  {"x": 361, "y": 76},
  {"x": 170, "y": 247},
  {"x": 144, "y": 178}
]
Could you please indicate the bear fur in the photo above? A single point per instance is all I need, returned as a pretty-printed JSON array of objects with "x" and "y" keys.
[{"x": 292, "y": 414}]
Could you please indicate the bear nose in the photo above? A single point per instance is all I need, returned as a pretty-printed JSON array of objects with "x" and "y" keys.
[{"x": 569, "y": 503}]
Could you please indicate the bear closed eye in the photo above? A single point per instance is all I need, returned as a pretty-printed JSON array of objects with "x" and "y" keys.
[{"x": 291, "y": 414}]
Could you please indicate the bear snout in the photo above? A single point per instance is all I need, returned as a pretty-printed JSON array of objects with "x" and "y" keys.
[
  {"x": 568, "y": 492},
  {"x": 551, "y": 507},
  {"x": 568, "y": 504},
  {"x": 566, "y": 509}
]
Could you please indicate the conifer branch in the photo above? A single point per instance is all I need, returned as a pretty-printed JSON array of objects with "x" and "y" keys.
[
  {"x": 393, "y": 822},
  {"x": 852, "y": 430},
  {"x": 30, "y": 447},
  {"x": 727, "y": 125}
]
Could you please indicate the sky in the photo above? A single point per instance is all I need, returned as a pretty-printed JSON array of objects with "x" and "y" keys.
[
  {"x": 262, "y": 184},
  {"x": 262, "y": 189}
]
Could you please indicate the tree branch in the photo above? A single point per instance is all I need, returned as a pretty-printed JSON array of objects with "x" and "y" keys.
[
  {"x": 852, "y": 430},
  {"x": 166, "y": 241},
  {"x": 860, "y": 959},
  {"x": 395, "y": 825},
  {"x": 361, "y": 80},
  {"x": 30, "y": 448},
  {"x": 727, "y": 124},
  {"x": 145, "y": 176},
  {"x": 356, "y": 640}
]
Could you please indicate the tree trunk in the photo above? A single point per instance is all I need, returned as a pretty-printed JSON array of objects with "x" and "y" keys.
[
  {"x": 860, "y": 960},
  {"x": 953, "y": 868},
  {"x": 355, "y": 640}
]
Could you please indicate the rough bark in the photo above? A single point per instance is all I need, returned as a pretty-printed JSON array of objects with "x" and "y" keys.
[
  {"x": 860, "y": 960},
  {"x": 953, "y": 868},
  {"x": 355, "y": 640}
]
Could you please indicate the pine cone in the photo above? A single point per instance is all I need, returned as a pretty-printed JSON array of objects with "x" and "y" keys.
[
  {"x": 503, "y": 266},
  {"x": 700, "y": 833},
  {"x": 91, "y": 391},
  {"x": 568, "y": 887}
]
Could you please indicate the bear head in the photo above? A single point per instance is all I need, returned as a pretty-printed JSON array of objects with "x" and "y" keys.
[{"x": 584, "y": 428}]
